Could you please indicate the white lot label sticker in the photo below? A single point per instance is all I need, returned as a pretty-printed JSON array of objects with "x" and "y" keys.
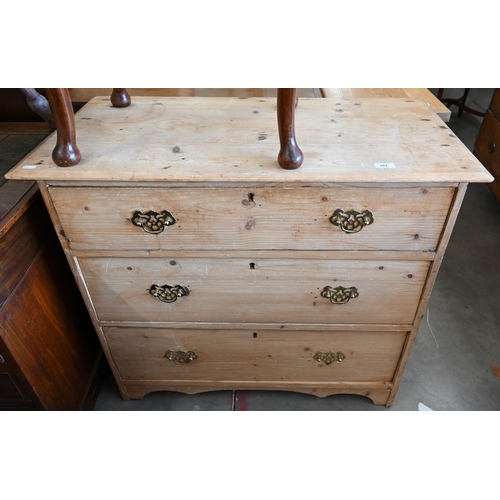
[
  {"x": 29, "y": 167},
  {"x": 384, "y": 165}
]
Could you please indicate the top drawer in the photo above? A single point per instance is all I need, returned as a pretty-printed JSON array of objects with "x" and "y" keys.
[{"x": 116, "y": 218}]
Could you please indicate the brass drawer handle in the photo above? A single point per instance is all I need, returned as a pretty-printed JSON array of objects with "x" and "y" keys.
[
  {"x": 329, "y": 357},
  {"x": 340, "y": 294},
  {"x": 152, "y": 222},
  {"x": 168, "y": 293},
  {"x": 351, "y": 221},
  {"x": 181, "y": 357}
]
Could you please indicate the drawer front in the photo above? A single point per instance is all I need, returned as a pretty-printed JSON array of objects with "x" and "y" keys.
[
  {"x": 487, "y": 146},
  {"x": 252, "y": 218},
  {"x": 218, "y": 355},
  {"x": 262, "y": 290}
]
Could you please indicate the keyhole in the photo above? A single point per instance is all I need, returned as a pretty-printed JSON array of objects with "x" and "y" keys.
[
  {"x": 252, "y": 265},
  {"x": 254, "y": 335},
  {"x": 250, "y": 197}
]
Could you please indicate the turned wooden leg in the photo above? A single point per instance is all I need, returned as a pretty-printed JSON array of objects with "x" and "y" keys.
[
  {"x": 120, "y": 98},
  {"x": 66, "y": 153},
  {"x": 39, "y": 105},
  {"x": 462, "y": 102},
  {"x": 290, "y": 156}
]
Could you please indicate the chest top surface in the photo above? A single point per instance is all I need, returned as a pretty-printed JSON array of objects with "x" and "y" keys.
[{"x": 218, "y": 140}]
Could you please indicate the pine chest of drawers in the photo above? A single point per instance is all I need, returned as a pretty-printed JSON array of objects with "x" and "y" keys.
[{"x": 205, "y": 266}]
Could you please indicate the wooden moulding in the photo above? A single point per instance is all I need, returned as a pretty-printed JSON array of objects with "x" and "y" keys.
[{"x": 378, "y": 393}]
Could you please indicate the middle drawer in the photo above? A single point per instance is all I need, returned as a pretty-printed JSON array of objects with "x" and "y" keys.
[{"x": 261, "y": 290}]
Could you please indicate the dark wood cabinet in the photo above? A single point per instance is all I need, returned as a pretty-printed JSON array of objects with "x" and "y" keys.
[
  {"x": 487, "y": 145},
  {"x": 50, "y": 358}
]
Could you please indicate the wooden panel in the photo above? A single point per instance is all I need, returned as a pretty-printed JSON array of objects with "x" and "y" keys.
[
  {"x": 252, "y": 218},
  {"x": 236, "y": 140},
  {"x": 254, "y": 355},
  {"x": 48, "y": 332},
  {"x": 487, "y": 149},
  {"x": 495, "y": 104},
  {"x": 262, "y": 290},
  {"x": 22, "y": 234}
]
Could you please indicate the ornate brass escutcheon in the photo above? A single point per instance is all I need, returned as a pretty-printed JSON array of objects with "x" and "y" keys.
[
  {"x": 152, "y": 222},
  {"x": 168, "y": 293},
  {"x": 351, "y": 221},
  {"x": 329, "y": 357},
  {"x": 181, "y": 357},
  {"x": 340, "y": 294}
]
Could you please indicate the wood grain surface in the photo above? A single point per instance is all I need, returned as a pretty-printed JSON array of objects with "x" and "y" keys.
[
  {"x": 21, "y": 238},
  {"x": 55, "y": 359},
  {"x": 428, "y": 97},
  {"x": 254, "y": 218},
  {"x": 260, "y": 355},
  {"x": 252, "y": 246},
  {"x": 243, "y": 290},
  {"x": 236, "y": 140}
]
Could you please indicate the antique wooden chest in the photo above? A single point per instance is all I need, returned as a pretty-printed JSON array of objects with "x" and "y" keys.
[{"x": 205, "y": 266}]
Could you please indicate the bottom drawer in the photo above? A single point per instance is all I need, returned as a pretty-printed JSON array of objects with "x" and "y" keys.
[{"x": 255, "y": 355}]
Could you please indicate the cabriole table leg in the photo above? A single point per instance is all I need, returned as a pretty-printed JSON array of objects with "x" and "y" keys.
[
  {"x": 290, "y": 156},
  {"x": 66, "y": 152},
  {"x": 120, "y": 98}
]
